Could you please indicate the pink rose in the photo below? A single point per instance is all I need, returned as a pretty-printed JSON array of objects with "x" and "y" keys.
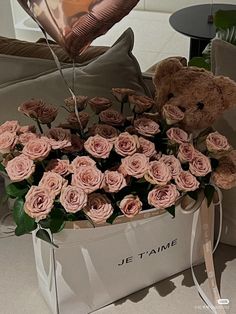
[
  {"x": 37, "y": 149},
  {"x": 126, "y": 144},
  {"x": 38, "y": 202},
  {"x": 200, "y": 166},
  {"x": 46, "y": 114},
  {"x": 99, "y": 104},
  {"x": 30, "y": 107},
  {"x": 60, "y": 166},
  {"x": 10, "y": 126},
  {"x": 81, "y": 103},
  {"x": 173, "y": 163},
  {"x": 112, "y": 117},
  {"x": 146, "y": 127},
  {"x": 98, "y": 146},
  {"x": 73, "y": 199},
  {"x": 53, "y": 182},
  {"x": 73, "y": 120},
  {"x": 88, "y": 178},
  {"x": 24, "y": 138},
  {"x": 77, "y": 144},
  {"x": 106, "y": 131},
  {"x": 163, "y": 196},
  {"x": 140, "y": 104},
  {"x": 186, "y": 152},
  {"x": 113, "y": 181},
  {"x": 177, "y": 135},
  {"x": 59, "y": 138},
  {"x": 122, "y": 94},
  {"x": 217, "y": 143},
  {"x": 135, "y": 165},
  {"x": 98, "y": 208},
  {"x": 158, "y": 173},
  {"x": 82, "y": 161},
  {"x": 185, "y": 181},
  {"x": 8, "y": 141},
  {"x": 27, "y": 129},
  {"x": 20, "y": 168},
  {"x": 131, "y": 206},
  {"x": 147, "y": 147},
  {"x": 172, "y": 114}
]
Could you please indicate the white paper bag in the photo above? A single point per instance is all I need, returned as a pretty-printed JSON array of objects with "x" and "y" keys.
[{"x": 96, "y": 266}]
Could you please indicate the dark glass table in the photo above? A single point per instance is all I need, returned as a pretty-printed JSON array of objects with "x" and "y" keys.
[{"x": 193, "y": 22}]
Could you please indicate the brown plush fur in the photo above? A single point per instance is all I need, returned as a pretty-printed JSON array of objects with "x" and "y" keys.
[{"x": 202, "y": 96}]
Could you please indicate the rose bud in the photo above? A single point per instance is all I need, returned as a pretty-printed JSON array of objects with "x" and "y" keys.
[
  {"x": 81, "y": 103},
  {"x": 99, "y": 104},
  {"x": 122, "y": 94},
  {"x": 140, "y": 104}
]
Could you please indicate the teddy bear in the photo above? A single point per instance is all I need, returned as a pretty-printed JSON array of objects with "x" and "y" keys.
[{"x": 202, "y": 96}]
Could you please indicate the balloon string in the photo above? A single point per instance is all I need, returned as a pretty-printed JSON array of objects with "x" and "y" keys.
[
  {"x": 74, "y": 77},
  {"x": 58, "y": 64},
  {"x": 64, "y": 79}
]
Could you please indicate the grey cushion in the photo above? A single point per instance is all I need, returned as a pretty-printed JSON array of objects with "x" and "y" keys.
[
  {"x": 15, "y": 69},
  {"x": 115, "y": 68},
  {"x": 224, "y": 63},
  {"x": 223, "y": 58}
]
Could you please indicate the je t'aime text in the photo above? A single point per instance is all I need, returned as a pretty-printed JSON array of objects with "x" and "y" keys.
[{"x": 148, "y": 253}]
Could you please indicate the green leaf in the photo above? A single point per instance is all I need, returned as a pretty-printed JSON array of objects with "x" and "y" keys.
[
  {"x": 209, "y": 193},
  {"x": 15, "y": 190},
  {"x": 225, "y": 19},
  {"x": 25, "y": 224},
  {"x": 193, "y": 194},
  {"x": 55, "y": 221},
  {"x": 214, "y": 163},
  {"x": 2, "y": 168},
  {"x": 200, "y": 62},
  {"x": 171, "y": 210},
  {"x": 43, "y": 234},
  {"x": 228, "y": 35}
]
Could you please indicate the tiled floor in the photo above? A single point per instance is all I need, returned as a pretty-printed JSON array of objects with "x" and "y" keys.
[{"x": 155, "y": 39}]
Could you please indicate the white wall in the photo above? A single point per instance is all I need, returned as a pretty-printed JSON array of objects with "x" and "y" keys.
[
  {"x": 6, "y": 20},
  {"x": 174, "y": 5},
  {"x": 18, "y": 12}
]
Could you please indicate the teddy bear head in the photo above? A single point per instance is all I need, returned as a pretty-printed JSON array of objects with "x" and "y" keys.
[{"x": 202, "y": 96}]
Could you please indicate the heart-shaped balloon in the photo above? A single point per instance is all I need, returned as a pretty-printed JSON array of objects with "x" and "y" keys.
[{"x": 74, "y": 24}]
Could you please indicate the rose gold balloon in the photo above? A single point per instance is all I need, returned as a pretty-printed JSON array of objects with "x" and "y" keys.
[{"x": 74, "y": 24}]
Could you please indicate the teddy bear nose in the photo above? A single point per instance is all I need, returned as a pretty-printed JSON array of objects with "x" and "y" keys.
[
  {"x": 170, "y": 95},
  {"x": 200, "y": 105}
]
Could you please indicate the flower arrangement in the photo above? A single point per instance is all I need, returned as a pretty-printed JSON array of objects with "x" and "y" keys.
[{"x": 102, "y": 166}]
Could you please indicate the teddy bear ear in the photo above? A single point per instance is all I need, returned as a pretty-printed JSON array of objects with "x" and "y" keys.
[
  {"x": 167, "y": 67},
  {"x": 228, "y": 90}
]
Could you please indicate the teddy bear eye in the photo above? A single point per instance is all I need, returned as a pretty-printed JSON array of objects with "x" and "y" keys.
[
  {"x": 200, "y": 105},
  {"x": 170, "y": 95},
  {"x": 182, "y": 108}
]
